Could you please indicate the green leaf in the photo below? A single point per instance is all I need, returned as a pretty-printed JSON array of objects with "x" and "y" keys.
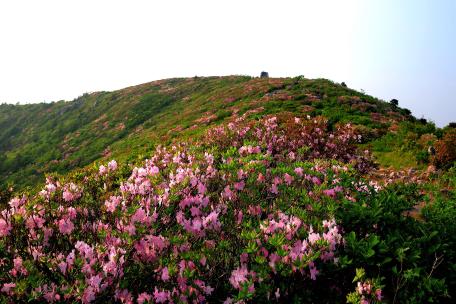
[{"x": 360, "y": 274}]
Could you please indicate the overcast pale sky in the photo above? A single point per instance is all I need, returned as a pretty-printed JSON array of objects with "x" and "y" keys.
[{"x": 56, "y": 49}]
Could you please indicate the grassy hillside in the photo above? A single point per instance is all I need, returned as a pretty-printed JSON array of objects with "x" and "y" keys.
[{"x": 127, "y": 124}]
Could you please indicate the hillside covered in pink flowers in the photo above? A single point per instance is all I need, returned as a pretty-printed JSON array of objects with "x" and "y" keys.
[{"x": 273, "y": 190}]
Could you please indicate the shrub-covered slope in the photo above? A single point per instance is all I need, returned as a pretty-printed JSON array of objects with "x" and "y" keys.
[
  {"x": 269, "y": 211},
  {"x": 57, "y": 137},
  {"x": 226, "y": 189}
]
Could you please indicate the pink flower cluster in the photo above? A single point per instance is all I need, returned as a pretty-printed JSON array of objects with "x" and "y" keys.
[
  {"x": 367, "y": 291},
  {"x": 241, "y": 276},
  {"x": 183, "y": 216},
  {"x": 71, "y": 192},
  {"x": 285, "y": 133},
  {"x": 112, "y": 166},
  {"x": 5, "y": 227},
  {"x": 298, "y": 249}
]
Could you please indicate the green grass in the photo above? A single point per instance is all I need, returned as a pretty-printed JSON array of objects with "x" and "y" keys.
[{"x": 396, "y": 159}]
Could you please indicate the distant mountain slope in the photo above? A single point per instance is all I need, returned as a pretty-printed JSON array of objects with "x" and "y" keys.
[{"x": 57, "y": 137}]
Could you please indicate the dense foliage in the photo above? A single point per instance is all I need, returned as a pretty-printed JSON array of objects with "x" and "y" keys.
[
  {"x": 272, "y": 210},
  {"x": 445, "y": 155}
]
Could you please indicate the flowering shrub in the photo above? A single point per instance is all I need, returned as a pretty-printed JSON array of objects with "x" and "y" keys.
[
  {"x": 445, "y": 150},
  {"x": 251, "y": 213},
  {"x": 294, "y": 138},
  {"x": 367, "y": 291}
]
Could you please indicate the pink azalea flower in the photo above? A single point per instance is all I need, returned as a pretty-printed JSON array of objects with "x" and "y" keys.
[
  {"x": 299, "y": 171},
  {"x": 273, "y": 259},
  {"x": 18, "y": 267},
  {"x": 227, "y": 193},
  {"x": 102, "y": 170},
  {"x": 201, "y": 188},
  {"x": 65, "y": 226},
  {"x": 195, "y": 211},
  {"x": 256, "y": 150},
  {"x": 7, "y": 288},
  {"x": 140, "y": 216},
  {"x": 154, "y": 170},
  {"x": 63, "y": 267},
  {"x": 110, "y": 268},
  {"x": 330, "y": 193},
  {"x": 254, "y": 210},
  {"x": 160, "y": 296},
  {"x": 112, "y": 203},
  {"x": 209, "y": 158},
  {"x": 130, "y": 229},
  {"x": 211, "y": 221},
  {"x": 316, "y": 180},
  {"x": 239, "y": 276},
  {"x": 142, "y": 172},
  {"x": 260, "y": 178},
  {"x": 165, "y": 274},
  {"x": 288, "y": 178},
  {"x": 15, "y": 203},
  {"x": 50, "y": 294},
  {"x": 95, "y": 282},
  {"x": 242, "y": 150},
  {"x": 124, "y": 296},
  {"x": 112, "y": 165},
  {"x": 239, "y": 217},
  {"x": 274, "y": 189},
  {"x": 70, "y": 258},
  {"x": 88, "y": 295},
  {"x": 291, "y": 155},
  {"x": 313, "y": 237},
  {"x": 239, "y": 185},
  {"x": 313, "y": 272},
  {"x": 143, "y": 297},
  {"x": 71, "y": 192},
  {"x": 5, "y": 228}
]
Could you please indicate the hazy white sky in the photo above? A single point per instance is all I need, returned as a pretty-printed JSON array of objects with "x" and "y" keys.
[{"x": 53, "y": 50}]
